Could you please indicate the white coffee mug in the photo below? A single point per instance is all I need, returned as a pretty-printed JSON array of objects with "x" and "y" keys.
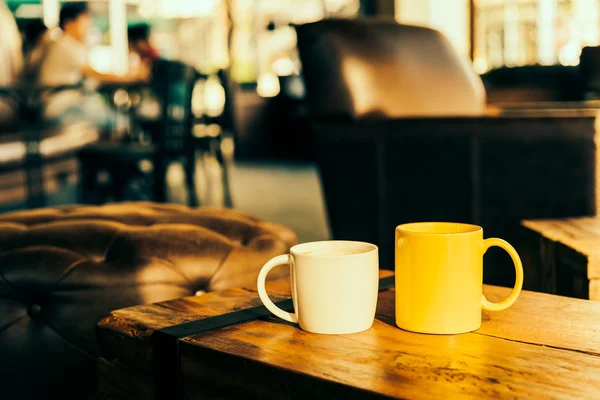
[{"x": 334, "y": 286}]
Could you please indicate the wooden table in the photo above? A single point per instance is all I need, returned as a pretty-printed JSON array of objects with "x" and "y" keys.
[
  {"x": 566, "y": 252},
  {"x": 543, "y": 347}
]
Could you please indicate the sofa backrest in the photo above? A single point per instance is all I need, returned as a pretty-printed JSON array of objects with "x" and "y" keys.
[
  {"x": 510, "y": 86},
  {"x": 378, "y": 68}
]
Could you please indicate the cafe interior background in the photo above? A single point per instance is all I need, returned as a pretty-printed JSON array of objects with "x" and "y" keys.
[
  {"x": 258, "y": 138},
  {"x": 526, "y": 45}
]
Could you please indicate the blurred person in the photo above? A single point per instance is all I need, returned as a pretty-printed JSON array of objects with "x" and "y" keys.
[
  {"x": 143, "y": 52},
  {"x": 37, "y": 40},
  {"x": 66, "y": 63},
  {"x": 140, "y": 43}
]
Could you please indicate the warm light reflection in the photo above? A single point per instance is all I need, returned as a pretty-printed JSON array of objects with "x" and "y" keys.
[
  {"x": 586, "y": 22},
  {"x": 51, "y": 11},
  {"x": 219, "y": 46},
  {"x": 306, "y": 11},
  {"x": 358, "y": 80},
  {"x": 280, "y": 39},
  {"x": 117, "y": 15},
  {"x": 101, "y": 59},
  {"x": 569, "y": 55},
  {"x": 214, "y": 97},
  {"x": 186, "y": 8},
  {"x": 480, "y": 65},
  {"x": 284, "y": 66},
  {"x": 232, "y": 34},
  {"x": 546, "y": 46},
  {"x": 451, "y": 17},
  {"x": 529, "y": 32},
  {"x": 511, "y": 35},
  {"x": 268, "y": 85},
  {"x": 208, "y": 97},
  {"x": 146, "y": 8}
]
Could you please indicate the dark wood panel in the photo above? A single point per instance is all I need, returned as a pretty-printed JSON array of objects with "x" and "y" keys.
[
  {"x": 514, "y": 354},
  {"x": 493, "y": 170}
]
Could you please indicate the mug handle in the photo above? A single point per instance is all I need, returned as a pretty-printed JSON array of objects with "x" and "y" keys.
[
  {"x": 503, "y": 305},
  {"x": 262, "y": 292}
]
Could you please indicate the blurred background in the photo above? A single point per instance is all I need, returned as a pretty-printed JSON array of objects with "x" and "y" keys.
[{"x": 249, "y": 113}]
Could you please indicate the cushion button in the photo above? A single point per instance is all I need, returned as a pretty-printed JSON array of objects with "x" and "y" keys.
[{"x": 34, "y": 310}]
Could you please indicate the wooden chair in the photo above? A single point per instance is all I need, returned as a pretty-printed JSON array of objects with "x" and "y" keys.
[
  {"x": 173, "y": 83},
  {"x": 219, "y": 144}
]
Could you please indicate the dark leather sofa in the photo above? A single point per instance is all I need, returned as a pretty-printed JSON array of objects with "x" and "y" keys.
[
  {"x": 63, "y": 269},
  {"x": 508, "y": 86},
  {"x": 401, "y": 133}
]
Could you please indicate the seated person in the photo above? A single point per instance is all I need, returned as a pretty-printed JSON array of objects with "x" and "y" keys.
[
  {"x": 37, "y": 41},
  {"x": 66, "y": 63},
  {"x": 140, "y": 44},
  {"x": 143, "y": 52}
]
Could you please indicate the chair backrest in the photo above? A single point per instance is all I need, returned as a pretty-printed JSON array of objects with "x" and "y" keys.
[
  {"x": 378, "y": 68},
  {"x": 173, "y": 83},
  {"x": 227, "y": 118}
]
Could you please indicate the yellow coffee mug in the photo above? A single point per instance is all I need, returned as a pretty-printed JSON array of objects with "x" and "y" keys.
[{"x": 439, "y": 277}]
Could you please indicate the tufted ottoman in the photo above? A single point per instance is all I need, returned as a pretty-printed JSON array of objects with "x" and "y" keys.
[{"x": 63, "y": 269}]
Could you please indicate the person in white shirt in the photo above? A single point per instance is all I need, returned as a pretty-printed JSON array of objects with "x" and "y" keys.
[{"x": 66, "y": 63}]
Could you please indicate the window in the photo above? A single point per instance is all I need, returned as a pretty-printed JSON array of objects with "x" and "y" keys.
[{"x": 526, "y": 32}]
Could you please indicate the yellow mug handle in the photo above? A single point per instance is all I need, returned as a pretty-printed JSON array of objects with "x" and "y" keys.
[{"x": 503, "y": 305}]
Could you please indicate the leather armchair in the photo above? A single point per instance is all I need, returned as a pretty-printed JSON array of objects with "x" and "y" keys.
[
  {"x": 372, "y": 68},
  {"x": 401, "y": 134},
  {"x": 63, "y": 269}
]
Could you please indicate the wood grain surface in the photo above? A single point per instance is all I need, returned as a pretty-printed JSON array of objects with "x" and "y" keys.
[
  {"x": 543, "y": 347},
  {"x": 579, "y": 234}
]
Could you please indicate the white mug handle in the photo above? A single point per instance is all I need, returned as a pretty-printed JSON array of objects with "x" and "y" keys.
[{"x": 262, "y": 292}]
